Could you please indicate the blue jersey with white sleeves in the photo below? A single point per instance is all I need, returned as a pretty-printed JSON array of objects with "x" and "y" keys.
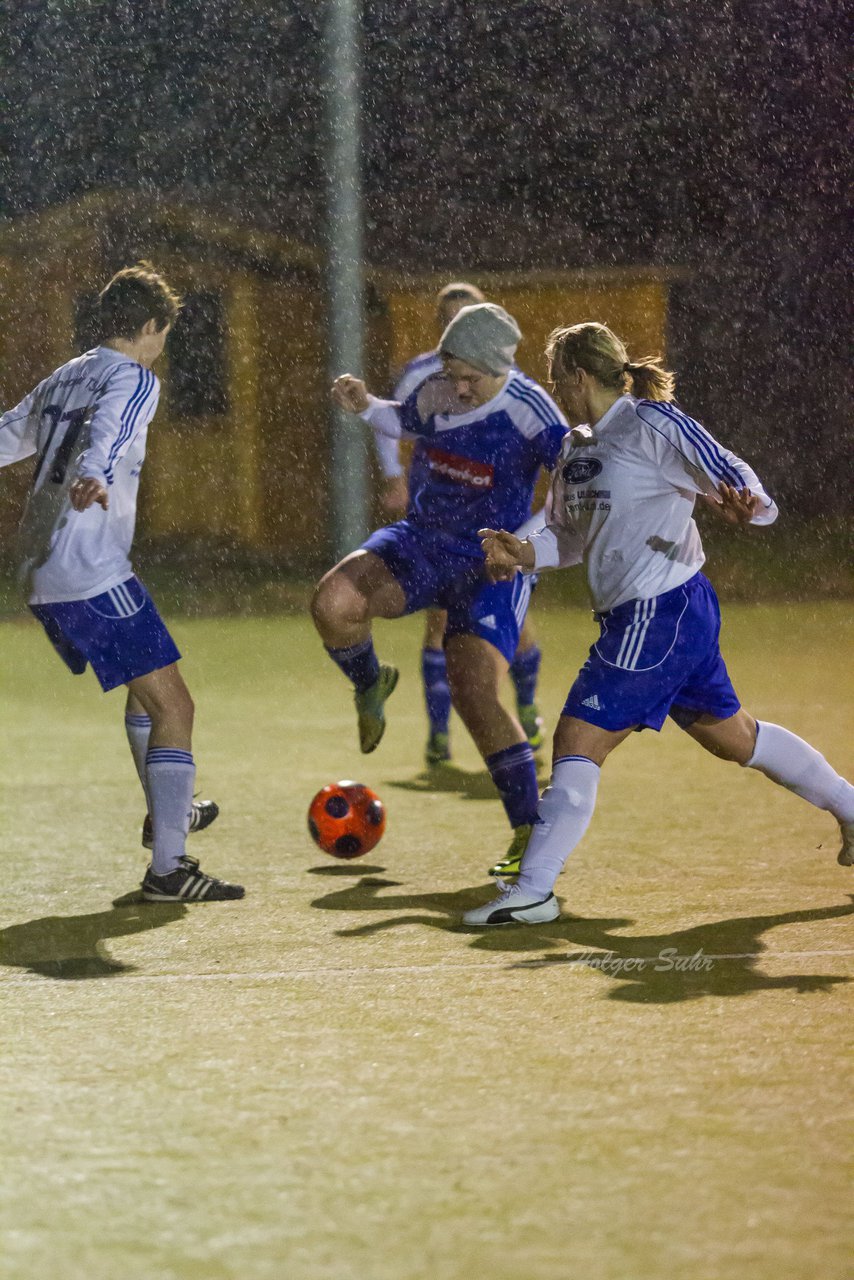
[
  {"x": 89, "y": 418},
  {"x": 409, "y": 379},
  {"x": 414, "y": 373},
  {"x": 477, "y": 468}
]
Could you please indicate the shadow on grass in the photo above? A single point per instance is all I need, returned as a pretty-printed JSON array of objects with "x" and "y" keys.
[
  {"x": 73, "y": 946},
  {"x": 715, "y": 959},
  {"x": 343, "y": 869},
  {"x": 450, "y": 778}
]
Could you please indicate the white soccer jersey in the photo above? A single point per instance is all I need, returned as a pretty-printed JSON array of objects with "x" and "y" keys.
[
  {"x": 89, "y": 418},
  {"x": 622, "y": 500}
]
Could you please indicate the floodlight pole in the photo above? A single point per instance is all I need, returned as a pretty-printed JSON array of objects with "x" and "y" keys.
[{"x": 344, "y": 278}]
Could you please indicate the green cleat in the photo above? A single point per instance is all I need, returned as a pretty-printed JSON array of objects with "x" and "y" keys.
[
  {"x": 532, "y": 723},
  {"x": 438, "y": 748},
  {"x": 369, "y": 708},
  {"x": 509, "y": 866}
]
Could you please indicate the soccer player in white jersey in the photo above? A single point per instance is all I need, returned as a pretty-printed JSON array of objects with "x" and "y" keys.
[
  {"x": 483, "y": 431},
  {"x": 87, "y": 424},
  {"x": 623, "y": 495},
  {"x": 525, "y": 667}
]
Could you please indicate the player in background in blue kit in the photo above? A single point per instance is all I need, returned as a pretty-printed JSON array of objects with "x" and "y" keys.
[
  {"x": 483, "y": 430},
  {"x": 623, "y": 496},
  {"x": 87, "y": 424},
  {"x": 525, "y": 667}
]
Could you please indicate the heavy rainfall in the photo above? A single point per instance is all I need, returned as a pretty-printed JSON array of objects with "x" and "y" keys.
[{"x": 286, "y": 280}]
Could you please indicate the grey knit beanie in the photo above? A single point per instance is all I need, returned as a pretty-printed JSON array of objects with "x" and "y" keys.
[{"x": 484, "y": 335}]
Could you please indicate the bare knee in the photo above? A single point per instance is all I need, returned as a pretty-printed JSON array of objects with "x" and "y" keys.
[
  {"x": 733, "y": 739},
  {"x": 337, "y": 601},
  {"x": 165, "y": 698},
  {"x": 175, "y": 704}
]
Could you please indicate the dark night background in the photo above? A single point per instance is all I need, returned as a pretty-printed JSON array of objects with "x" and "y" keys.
[{"x": 708, "y": 136}]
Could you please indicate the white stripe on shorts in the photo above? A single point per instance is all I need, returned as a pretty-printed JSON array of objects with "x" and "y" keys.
[
  {"x": 649, "y": 614},
  {"x": 628, "y": 636}
]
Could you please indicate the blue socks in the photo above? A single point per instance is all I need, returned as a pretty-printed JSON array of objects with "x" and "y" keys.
[
  {"x": 437, "y": 693},
  {"x": 170, "y": 778},
  {"x": 524, "y": 671},
  {"x": 359, "y": 663},
  {"x": 515, "y": 776}
]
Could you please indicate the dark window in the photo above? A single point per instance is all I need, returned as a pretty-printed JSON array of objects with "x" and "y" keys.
[{"x": 198, "y": 380}]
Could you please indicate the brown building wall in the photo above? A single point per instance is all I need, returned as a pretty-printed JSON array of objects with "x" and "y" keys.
[{"x": 257, "y": 474}]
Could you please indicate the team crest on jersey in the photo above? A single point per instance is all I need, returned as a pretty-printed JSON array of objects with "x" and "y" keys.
[{"x": 581, "y": 470}]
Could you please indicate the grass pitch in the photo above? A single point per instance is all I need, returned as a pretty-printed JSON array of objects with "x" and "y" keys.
[{"x": 330, "y": 1081}]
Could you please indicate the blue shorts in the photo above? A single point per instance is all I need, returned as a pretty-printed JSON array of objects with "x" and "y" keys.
[
  {"x": 120, "y": 633},
  {"x": 656, "y": 658},
  {"x": 435, "y": 574}
]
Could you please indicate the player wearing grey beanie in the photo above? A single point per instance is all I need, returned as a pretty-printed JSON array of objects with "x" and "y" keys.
[{"x": 485, "y": 336}]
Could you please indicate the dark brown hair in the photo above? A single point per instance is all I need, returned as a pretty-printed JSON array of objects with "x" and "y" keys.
[
  {"x": 594, "y": 348},
  {"x": 133, "y": 296}
]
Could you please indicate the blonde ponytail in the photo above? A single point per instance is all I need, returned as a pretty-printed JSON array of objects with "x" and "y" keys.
[{"x": 594, "y": 348}]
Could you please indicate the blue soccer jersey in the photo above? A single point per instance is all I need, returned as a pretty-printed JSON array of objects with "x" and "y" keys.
[{"x": 477, "y": 468}]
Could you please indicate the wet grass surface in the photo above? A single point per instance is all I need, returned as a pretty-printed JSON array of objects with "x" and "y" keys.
[{"x": 331, "y": 1081}]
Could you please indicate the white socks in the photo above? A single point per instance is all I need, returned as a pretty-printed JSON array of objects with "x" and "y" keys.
[
  {"x": 138, "y": 729},
  {"x": 567, "y": 804},
  {"x": 563, "y": 816},
  {"x": 170, "y": 779},
  {"x": 785, "y": 758}
]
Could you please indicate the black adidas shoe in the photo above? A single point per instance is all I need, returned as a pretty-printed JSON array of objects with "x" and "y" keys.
[
  {"x": 188, "y": 883},
  {"x": 204, "y": 813}
]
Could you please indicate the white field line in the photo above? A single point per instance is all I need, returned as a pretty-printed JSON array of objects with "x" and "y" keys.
[{"x": 279, "y": 975}]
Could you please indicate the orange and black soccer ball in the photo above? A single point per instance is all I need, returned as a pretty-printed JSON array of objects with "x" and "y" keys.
[{"x": 346, "y": 819}]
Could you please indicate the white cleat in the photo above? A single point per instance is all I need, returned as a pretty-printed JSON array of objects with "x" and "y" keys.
[
  {"x": 846, "y": 853},
  {"x": 513, "y": 906}
]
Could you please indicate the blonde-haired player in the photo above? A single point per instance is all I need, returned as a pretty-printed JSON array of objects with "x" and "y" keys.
[{"x": 622, "y": 503}]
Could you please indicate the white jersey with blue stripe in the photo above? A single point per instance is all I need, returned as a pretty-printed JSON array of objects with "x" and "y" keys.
[
  {"x": 622, "y": 500},
  {"x": 88, "y": 419}
]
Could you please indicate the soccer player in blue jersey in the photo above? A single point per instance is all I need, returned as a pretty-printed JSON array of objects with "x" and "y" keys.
[
  {"x": 87, "y": 425},
  {"x": 623, "y": 496},
  {"x": 525, "y": 667},
  {"x": 483, "y": 430}
]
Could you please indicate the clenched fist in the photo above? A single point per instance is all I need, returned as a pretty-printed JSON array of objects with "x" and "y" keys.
[
  {"x": 505, "y": 554},
  {"x": 350, "y": 393}
]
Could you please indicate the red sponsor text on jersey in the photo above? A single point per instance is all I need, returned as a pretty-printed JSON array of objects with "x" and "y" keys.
[{"x": 461, "y": 470}]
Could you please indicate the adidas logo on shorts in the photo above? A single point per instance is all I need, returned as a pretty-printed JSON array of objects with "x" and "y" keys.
[
  {"x": 488, "y": 621},
  {"x": 593, "y": 702}
]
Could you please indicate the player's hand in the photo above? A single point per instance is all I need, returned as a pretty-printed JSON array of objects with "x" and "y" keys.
[
  {"x": 86, "y": 491},
  {"x": 736, "y": 506},
  {"x": 395, "y": 496},
  {"x": 504, "y": 553},
  {"x": 350, "y": 393}
]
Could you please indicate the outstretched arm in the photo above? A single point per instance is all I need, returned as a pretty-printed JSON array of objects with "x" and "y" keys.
[
  {"x": 351, "y": 395},
  {"x": 691, "y": 458}
]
